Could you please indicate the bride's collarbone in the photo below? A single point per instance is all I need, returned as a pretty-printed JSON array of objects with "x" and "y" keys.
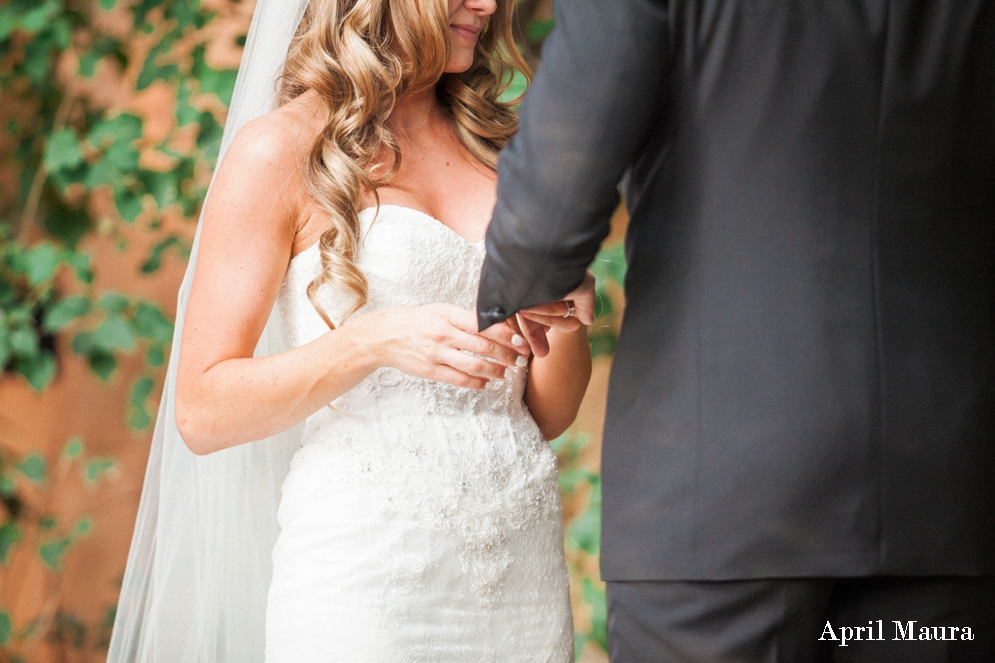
[
  {"x": 458, "y": 196},
  {"x": 462, "y": 207}
]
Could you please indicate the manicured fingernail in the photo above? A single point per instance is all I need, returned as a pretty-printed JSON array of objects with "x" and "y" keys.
[
  {"x": 508, "y": 373},
  {"x": 517, "y": 340},
  {"x": 521, "y": 362}
]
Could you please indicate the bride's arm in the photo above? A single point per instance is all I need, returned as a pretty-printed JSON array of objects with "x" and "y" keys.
[
  {"x": 224, "y": 396},
  {"x": 557, "y": 382},
  {"x": 561, "y": 367}
]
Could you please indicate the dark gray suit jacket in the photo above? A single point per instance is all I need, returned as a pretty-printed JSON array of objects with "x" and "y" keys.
[{"x": 804, "y": 384}]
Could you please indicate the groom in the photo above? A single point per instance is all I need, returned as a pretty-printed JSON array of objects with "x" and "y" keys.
[{"x": 800, "y": 436}]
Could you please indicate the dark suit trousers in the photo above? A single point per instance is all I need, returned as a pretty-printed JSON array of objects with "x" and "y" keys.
[{"x": 782, "y": 620}]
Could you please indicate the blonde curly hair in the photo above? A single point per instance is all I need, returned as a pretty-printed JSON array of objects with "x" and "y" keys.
[{"x": 360, "y": 56}]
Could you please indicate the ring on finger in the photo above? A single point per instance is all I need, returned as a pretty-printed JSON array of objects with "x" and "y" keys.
[{"x": 570, "y": 310}]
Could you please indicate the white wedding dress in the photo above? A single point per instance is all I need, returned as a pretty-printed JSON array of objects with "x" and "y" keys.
[{"x": 419, "y": 521}]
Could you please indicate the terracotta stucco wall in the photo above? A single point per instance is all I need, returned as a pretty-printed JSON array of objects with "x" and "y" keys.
[{"x": 76, "y": 600}]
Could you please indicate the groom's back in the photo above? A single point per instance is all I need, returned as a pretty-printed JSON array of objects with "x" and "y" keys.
[{"x": 805, "y": 381}]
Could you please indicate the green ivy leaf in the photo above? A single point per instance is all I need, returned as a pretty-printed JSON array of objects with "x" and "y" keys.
[
  {"x": 40, "y": 262},
  {"x": 154, "y": 261},
  {"x": 62, "y": 31},
  {"x": 97, "y": 468},
  {"x": 209, "y": 136},
  {"x": 38, "y": 60},
  {"x": 33, "y": 467},
  {"x": 152, "y": 70},
  {"x": 8, "y": 21},
  {"x": 143, "y": 8},
  {"x": 74, "y": 447},
  {"x": 62, "y": 151},
  {"x": 595, "y": 598},
  {"x": 568, "y": 446},
  {"x": 100, "y": 47},
  {"x": 10, "y": 534},
  {"x": 129, "y": 205},
  {"x": 220, "y": 82},
  {"x": 184, "y": 13},
  {"x": 155, "y": 357},
  {"x": 6, "y": 350},
  {"x": 103, "y": 364},
  {"x": 36, "y": 19},
  {"x": 63, "y": 179},
  {"x": 585, "y": 532},
  {"x": 47, "y": 523},
  {"x": 164, "y": 186},
  {"x": 80, "y": 262},
  {"x": 99, "y": 173},
  {"x": 84, "y": 526},
  {"x": 51, "y": 553},
  {"x": 185, "y": 113},
  {"x": 114, "y": 333},
  {"x": 24, "y": 342},
  {"x": 20, "y": 314},
  {"x": 123, "y": 128},
  {"x": 141, "y": 390},
  {"x": 536, "y": 29},
  {"x": 139, "y": 417},
  {"x": 88, "y": 64},
  {"x": 5, "y": 627},
  {"x": 113, "y": 302},
  {"x": 602, "y": 304},
  {"x": 149, "y": 322},
  {"x": 610, "y": 265},
  {"x": 67, "y": 223},
  {"x": 602, "y": 343},
  {"x": 38, "y": 369},
  {"x": 107, "y": 4},
  {"x": 83, "y": 344},
  {"x": 122, "y": 156},
  {"x": 516, "y": 87},
  {"x": 571, "y": 477},
  {"x": 64, "y": 312}
]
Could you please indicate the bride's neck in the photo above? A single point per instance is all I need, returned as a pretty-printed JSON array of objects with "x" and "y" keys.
[{"x": 416, "y": 114}]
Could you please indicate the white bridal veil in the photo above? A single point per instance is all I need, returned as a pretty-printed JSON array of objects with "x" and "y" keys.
[{"x": 195, "y": 586}]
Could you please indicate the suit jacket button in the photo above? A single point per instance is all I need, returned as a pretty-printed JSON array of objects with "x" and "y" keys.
[{"x": 495, "y": 313}]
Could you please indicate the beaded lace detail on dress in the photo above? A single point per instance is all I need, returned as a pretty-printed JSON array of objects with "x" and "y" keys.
[{"x": 420, "y": 521}]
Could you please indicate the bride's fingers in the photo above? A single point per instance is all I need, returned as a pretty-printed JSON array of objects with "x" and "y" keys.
[
  {"x": 466, "y": 321},
  {"x": 474, "y": 366},
  {"x": 457, "y": 378},
  {"x": 485, "y": 347},
  {"x": 503, "y": 333},
  {"x": 459, "y": 317},
  {"x": 509, "y": 334}
]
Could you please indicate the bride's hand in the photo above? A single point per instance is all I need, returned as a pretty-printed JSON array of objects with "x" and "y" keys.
[{"x": 429, "y": 342}]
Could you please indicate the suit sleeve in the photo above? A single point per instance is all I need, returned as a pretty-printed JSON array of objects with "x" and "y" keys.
[{"x": 582, "y": 122}]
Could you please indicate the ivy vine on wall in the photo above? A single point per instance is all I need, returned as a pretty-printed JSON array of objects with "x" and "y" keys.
[
  {"x": 78, "y": 158},
  {"x": 82, "y": 155}
]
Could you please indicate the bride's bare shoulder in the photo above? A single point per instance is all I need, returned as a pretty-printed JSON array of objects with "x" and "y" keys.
[{"x": 278, "y": 140}]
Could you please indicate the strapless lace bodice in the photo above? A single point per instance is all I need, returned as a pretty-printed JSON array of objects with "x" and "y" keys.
[
  {"x": 439, "y": 504},
  {"x": 409, "y": 259}
]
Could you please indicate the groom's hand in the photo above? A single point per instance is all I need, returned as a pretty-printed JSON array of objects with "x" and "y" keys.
[
  {"x": 534, "y": 333},
  {"x": 566, "y": 315},
  {"x": 582, "y": 298}
]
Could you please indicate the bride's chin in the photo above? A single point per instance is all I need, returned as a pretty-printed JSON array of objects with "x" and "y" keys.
[{"x": 458, "y": 63}]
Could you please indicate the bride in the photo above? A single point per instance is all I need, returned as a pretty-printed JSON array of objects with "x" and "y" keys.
[{"x": 419, "y": 517}]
